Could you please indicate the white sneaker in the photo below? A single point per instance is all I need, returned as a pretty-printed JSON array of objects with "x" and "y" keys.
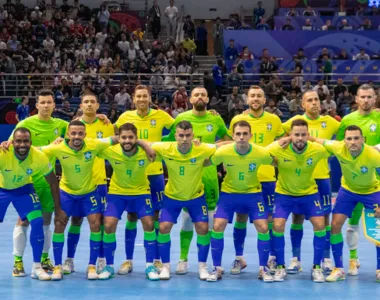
[
  {"x": 377, "y": 275},
  {"x": 68, "y": 266},
  {"x": 100, "y": 265},
  {"x": 238, "y": 265},
  {"x": 317, "y": 275},
  {"x": 294, "y": 267},
  {"x": 126, "y": 267},
  {"x": 215, "y": 275},
  {"x": 57, "y": 273},
  {"x": 182, "y": 267},
  {"x": 279, "y": 275},
  {"x": 107, "y": 272},
  {"x": 157, "y": 263},
  {"x": 165, "y": 272},
  {"x": 336, "y": 275},
  {"x": 272, "y": 264},
  {"x": 265, "y": 275},
  {"x": 327, "y": 265},
  {"x": 91, "y": 273},
  {"x": 353, "y": 268},
  {"x": 152, "y": 273},
  {"x": 203, "y": 271},
  {"x": 39, "y": 273}
]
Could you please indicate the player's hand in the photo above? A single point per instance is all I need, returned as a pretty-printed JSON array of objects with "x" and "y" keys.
[
  {"x": 58, "y": 141},
  {"x": 214, "y": 112},
  {"x": 377, "y": 212},
  {"x": 284, "y": 142},
  {"x": 246, "y": 112},
  {"x": 196, "y": 142},
  {"x": 61, "y": 217},
  {"x": 4, "y": 146},
  {"x": 151, "y": 154},
  {"x": 104, "y": 119}
]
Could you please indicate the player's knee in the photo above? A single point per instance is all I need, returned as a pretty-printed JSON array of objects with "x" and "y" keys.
[
  {"x": 278, "y": 226},
  {"x": 59, "y": 227},
  {"x": 147, "y": 223},
  {"x": 94, "y": 225},
  {"x": 132, "y": 217},
  {"x": 219, "y": 225},
  {"x": 109, "y": 227},
  {"x": 201, "y": 228},
  {"x": 262, "y": 227},
  {"x": 47, "y": 216},
  {"x": 165, "y": 228},
  {"x": 336, "y": 226},
  {"x": 22, "y": 223},
  {"x": 241, "y": 218},
  {"x": 76, "y": 221}
]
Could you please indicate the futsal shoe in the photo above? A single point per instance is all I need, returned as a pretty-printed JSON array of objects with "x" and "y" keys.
[
  {"x": 354, "y": 266},
  {"x": 378, "y": 276},
  {"x": 39, "y": 273},
  {"x": 272, "y": 264},
  {"x": 165, "y": 272},
  {"x": 238, "y": 265},
  {"x": 203, "y": 271},
  {"x": 107, "y": 272},
  {"x": 280, "y": 274},
  {"x": 18, "y": 269},
  {"x": 47, "y": 265},
  {"x": 158, "y": 265},
  {"x": 100, "y": 264},
  {"x": 126, "y": 267},
  {"x": 317, "y": 274},
  {"x": 336, "y": 275},
  {"x": 265, "y": 275},
  {"x": 151, "y": 273},
  {"x": 91, "y": 273},
  {"x": 294, "y": 267},
  {"x": 215, "y": 275},
  {"x": 182, "y": 267},
  {"x": 57, "y": 273},
  {"x": 68, "y": 266},
  {"x": 327, "y": 265}
]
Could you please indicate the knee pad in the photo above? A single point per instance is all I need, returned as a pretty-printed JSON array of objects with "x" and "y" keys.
[{"x": 352, "y": 236}]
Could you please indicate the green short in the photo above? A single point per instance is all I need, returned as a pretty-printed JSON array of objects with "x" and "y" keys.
[
  {"x": 211, "y": 186},
  {"x": 46, "y": 198}
]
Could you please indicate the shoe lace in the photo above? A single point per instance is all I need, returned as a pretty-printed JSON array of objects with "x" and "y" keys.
[
  {"x": 19, "y": 265},
  {"x": 236, "y": 263},
  {"x": 56, "y": 270},
  {"x": 126, "y": 264},
  {"x": 91, "y": 269},
  {"x": 335, "y": 272},
  {"x": 47, "y": 262}
]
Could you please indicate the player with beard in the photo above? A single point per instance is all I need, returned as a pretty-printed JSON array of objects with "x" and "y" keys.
[
  {"x": 150, "y": 124},
  {"x": 297, "y": 192},
  {"x": 359, "y": 185},
  {"x": 129, "y": 191},
  {"x": 207, "y": 127},
  {"x": 17, "y": 167},
  {"x": 266, "y": 128},
  {"x": 368, "y": 119}
]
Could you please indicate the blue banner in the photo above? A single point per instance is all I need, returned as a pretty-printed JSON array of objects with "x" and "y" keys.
[
  {"x": 285, "y": 44},
  {"x": 318, "y": 22},
  {"x": 371, "y": 226}
]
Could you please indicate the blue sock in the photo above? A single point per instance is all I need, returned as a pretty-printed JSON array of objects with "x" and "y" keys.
[
  {"x": 263, "y": 245},
  {"x": 272, "y": 252},
  {"x": 296, "y": 234},
  {"x": 157, "y": 229},
  {"x": 164, "y": 244},
  {"x": 378, "y": 257},
  {"x": 279, "y": 246},
  {"x": 319, "y": 243},
  {"x": 130, "y": 238},
  {"x": 337, "y": 249},
  {"x": 95, "y": 241},
  {"x": 72, "y": 240},
  {"x": 109, "y": 243},
  {"x": 37, "y": 238},
  {"x": 101, "y": 248},
  {"x": 240, "y": 232},
  {"x": 326, "y": 253},
  {"x": 58, "y": 242},
  {"x": 150, "y": 245},
  {"x": 203, "y": 244},
  {"x": 217, "y": 246}
]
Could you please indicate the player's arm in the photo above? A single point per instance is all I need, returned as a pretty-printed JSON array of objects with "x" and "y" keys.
[
  {"x": 223, "y": 142},
  {"x": 317, "y": 140},
  {"x": 377, "y": 147},
  {"x": 60, "y": 215},
  {"x": 223, "y": 131},
  {"x": 147, "y": 147}
]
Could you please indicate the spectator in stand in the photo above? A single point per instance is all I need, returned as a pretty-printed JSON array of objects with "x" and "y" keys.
[
  {"x": 103, "y": 16},
  {"x": 333, "y": 114},
  {"x": 361, "y": 55},
  {"x": 180, "y": 99},
  {"x": 217, "y": 34},
  {"x": 342, "y": 55},
  {"x": 288, "y": 25},
  {"x": 201, "y": 39},
  {"x": 235, "y": 103},
  {"x": 272, "y": 108},
  {"x": 234, "y": 78},
  {"x": 367, "y": 25},
  {"x": 344, "y": 102},
  {"x": 292, "y": 13},
  {"x": 113, "y": 116},
  {"x": 266, "y": 68},
  {"x": 231, "y": 52},
  {"x": 106, "y": 97},
  {"x": 22, "y": 111},
  {"x": 361, "y": 11},
  {"x": 246, "y": 54},
  {"x": 258, "y": 13},
  {"x": 328, "y": 103},
  {"x": 309, "y": 12},
  {"x": 209, "y": 84},
  {"x": 326, "y": 67},
  {"x": 322, "y": 86},
  {"x": 217, "y": 73},
  {"x": 374, "y": 11},
  {"x": 123, "y": 99},
  {"x": 328, "y": 26},
  {"x": 170, "y": 68},
  {"x": 308, "y": 25},
  {"x": 263, "y": 25},
  {"x": 189, "y": 44},
  {"x": 171, "y": 14},
  {"x": 271, "y": 90},
  {"x": 344, "y": 25},
  {"x": 123, "y": 46},
  {"x": 189, "y": 27},
  {"x": 339, "y": 89},
  {"x": 353, "y": 88},
  {"x": 293, "y": 87},
  {"x": 138, "y": 33},
  {"x": 295, "y": 105},
  {"x": 306, "y": 87},
  {"x": 184, "y": 68},
  {"x": 301, "y": 54},
  {"x": 155, "y": 19},
  {"x": 66, "y": 112}
]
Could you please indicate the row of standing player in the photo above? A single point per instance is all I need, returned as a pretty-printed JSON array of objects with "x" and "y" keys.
[{"x": 206, "y": 127}]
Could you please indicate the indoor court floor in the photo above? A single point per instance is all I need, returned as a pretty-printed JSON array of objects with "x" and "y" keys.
[{"x": 135, "y": 286}]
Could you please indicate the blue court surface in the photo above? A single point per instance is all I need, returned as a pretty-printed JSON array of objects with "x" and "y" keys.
[{"x": 135, "y": 286}]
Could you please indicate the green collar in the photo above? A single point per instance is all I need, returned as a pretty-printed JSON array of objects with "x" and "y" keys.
[
  {"x": 249, "y": 151},
  {"x": 75, "y": 151},
  {"x": 137, "y": 150},
  {"x": 191, "y": 148},
  {"x": 291, "y": 148}
]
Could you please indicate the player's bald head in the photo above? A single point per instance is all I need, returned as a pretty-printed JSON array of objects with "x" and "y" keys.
[{"x": 311, "y": 102}]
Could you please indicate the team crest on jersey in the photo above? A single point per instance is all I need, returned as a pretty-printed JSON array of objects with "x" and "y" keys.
[
  {"x": 372, "y": 128},
  {"x": 193, "y": 160},
  {"x": 88, "y": 155},
  {"x": 269, "y": 127},
  {"x": 364, "y": 169},
  {"x": 309, "y": 162},
  {"x": 324, "y": 125},
  {"x": 99, "y": 134},
  {"x": 141, "y": 163},
  {"x": 252, "y": 167},
  {"x": 56, "y": 131},
  {"x": 209, "y": 127},
  {"x": 153, "y": 123},
  {"x": 29, "y": 171}
]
